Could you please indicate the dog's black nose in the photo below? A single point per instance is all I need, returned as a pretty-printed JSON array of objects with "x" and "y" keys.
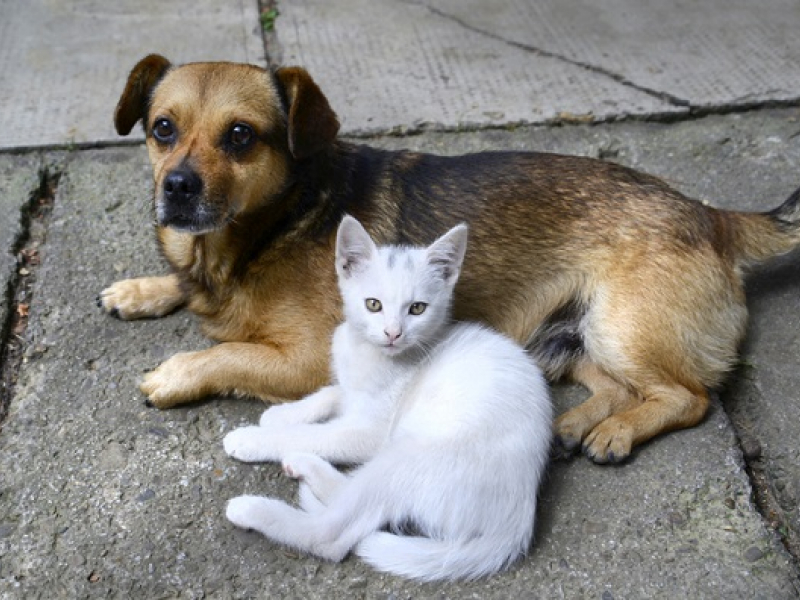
[{"x": 182, "y": 185}]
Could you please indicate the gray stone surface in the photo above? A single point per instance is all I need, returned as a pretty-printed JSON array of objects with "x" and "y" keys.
[
  {"x": 63, "y": 64},
  {"x": 408, "y": 65},
  {"x": 104, "y": 497},
  {"x": 700, "y": 54},
  {"x": 456, "y": 63},
  {"x": 764, "y": 397},
  {"x": 431, "y": 71}
]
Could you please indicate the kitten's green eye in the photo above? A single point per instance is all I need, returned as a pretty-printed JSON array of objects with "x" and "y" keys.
[
  {"x": 373, "y": 305},
  {"x": 417, "y": 308}
]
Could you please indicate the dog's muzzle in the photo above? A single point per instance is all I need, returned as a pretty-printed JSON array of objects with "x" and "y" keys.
[{"x": 182, "y": 204}]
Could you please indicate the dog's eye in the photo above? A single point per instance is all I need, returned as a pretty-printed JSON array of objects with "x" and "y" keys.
[
  {"x": 164, "y": 131},
  {"x": 241, "y": 136}
]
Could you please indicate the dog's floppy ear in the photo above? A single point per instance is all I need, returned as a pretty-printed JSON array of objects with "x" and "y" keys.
[
  {"x": 312, "y": 123},
  {"x": 132, "y": 105}
]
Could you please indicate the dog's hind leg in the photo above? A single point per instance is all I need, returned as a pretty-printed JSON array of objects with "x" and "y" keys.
[
  {"x": 608, "y": 397},
  {"x": 665, "y": 408},
  {"x": 661, "y": 347}
]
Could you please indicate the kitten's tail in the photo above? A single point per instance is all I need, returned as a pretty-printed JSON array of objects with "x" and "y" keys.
[{"x": 428, "y": 559}]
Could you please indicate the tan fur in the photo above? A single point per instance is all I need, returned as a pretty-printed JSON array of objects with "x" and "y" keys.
[
  {"x": 144, "y": 297},
  {"x": 654, "y": 279}
]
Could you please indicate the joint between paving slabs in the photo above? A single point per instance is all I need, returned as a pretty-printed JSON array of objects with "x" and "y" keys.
[
  {"x": 34, "y": 217},
  {"x": 269, "y": 13},
  {"x": 763, "y": 494}
]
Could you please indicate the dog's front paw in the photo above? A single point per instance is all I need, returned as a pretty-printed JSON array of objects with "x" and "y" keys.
[
  {"x": 610, "y": 442},
  {"x": 248, "y": 444},
  {"x": 178, "y": 380},
  {"x": 143, "y": 297}
]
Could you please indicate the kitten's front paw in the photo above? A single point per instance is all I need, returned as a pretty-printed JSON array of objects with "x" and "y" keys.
[
  {"x": 250, "y": 512},
  {"x": 279, "y": 415},
  {"x": 248, "y": 444}
]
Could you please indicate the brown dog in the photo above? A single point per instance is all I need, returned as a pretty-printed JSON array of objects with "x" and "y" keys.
[{"x": 608, "y": 275}]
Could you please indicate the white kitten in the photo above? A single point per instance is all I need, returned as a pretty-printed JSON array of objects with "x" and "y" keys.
[{"x": 453, "y": 423}]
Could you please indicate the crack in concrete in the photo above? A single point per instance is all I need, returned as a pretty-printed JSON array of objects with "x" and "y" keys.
[
  {"x": 764, "y": 496},
  {"x": 694, "y": 114},
  {"x": 762, "y": 483},
  {"x": 18, "y": 293},
  {"x": 598, "y": 70}
]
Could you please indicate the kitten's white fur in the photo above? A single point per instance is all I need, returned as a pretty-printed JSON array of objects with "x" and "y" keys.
[{"x": 452, "y": 423}]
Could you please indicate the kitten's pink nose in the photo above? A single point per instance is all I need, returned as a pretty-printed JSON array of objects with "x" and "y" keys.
[{"x": 392, "y": 334}]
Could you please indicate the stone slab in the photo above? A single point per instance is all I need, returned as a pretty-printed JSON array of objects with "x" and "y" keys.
[
  {"x": 699, "y": 54},
  {"x": 453, "y": 64},
  {"x": 100, "y": 496},
  {"x": 406, "y": 66},
  {"x": 63, "y": 64},
  {"x": 402, "y": 66}
]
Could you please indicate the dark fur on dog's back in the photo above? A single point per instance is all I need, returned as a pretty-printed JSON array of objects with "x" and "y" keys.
[
  {"x": 570, "y": 202},
  {"x": 614, "y": 278}
]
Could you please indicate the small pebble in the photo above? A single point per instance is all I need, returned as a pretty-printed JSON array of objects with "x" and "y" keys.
[
  {"x": 752, "y": 554},
  {"x": 145, "y": 495}
]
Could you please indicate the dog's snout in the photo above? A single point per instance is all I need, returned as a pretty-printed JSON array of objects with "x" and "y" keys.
[{"x": 181, "y": 185}]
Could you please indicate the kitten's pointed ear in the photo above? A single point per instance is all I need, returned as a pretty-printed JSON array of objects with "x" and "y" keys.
[
  {"x": 447, "y": 253},
  {"x": 354, "y": 247}
]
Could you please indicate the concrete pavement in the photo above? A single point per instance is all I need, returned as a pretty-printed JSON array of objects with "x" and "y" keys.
[
  {"x": 101, "y": 496},
  {"x": 62, "y": 63}
]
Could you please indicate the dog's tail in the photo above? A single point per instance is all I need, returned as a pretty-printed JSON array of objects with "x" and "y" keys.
[
  {"x": 427, "y": 559},
  {"x": 756, "y": 237}
]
